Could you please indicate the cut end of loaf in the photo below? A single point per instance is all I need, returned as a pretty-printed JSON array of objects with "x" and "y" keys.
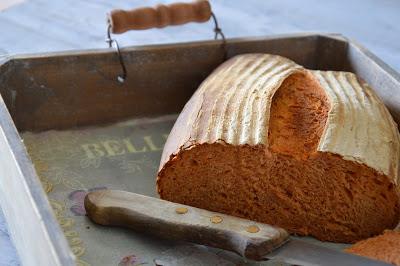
[
  {"x": 283, "y": 180},
  {"x": 324, "y": 196},
  {"x": 298, "y": 115}
]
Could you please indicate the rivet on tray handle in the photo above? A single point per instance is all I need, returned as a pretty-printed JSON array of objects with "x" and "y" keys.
[
  {"x": 185, "y": 223},
  {"x": 159, "y": 16}
]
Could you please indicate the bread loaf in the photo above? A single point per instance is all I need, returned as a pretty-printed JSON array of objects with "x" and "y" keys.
[
  {"x": 385, "y": 247},
  {"x": 263, "y": 138}
]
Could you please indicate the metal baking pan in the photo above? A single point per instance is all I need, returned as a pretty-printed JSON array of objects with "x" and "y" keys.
[{"x": 61, "y": 135}]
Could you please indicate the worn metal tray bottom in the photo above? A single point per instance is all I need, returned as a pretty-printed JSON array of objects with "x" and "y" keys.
[{"x": 122, "y": 156}]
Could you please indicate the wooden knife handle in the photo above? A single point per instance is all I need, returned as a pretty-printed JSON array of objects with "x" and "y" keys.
[
  {"x": 159, "y": 16},
  {"x": 184, "y": 223}
]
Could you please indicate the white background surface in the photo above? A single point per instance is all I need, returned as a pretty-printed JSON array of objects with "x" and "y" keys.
[{"x": 40, "y": 26}]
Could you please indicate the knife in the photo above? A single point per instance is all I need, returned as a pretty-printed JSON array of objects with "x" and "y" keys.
[{"x": 169, "y": 220}]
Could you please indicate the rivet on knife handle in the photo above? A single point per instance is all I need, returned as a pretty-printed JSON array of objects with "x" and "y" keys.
[{"x": 185, "y": 223}]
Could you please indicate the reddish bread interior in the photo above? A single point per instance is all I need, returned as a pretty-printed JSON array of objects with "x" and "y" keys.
[
  {"x": 385, "y": 247},
  {"x": 265, "y": 139}
]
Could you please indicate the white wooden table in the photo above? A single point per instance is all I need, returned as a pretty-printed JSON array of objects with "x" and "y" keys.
[{"x": 43, "y": 25}]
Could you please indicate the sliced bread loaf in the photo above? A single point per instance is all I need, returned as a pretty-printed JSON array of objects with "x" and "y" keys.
[{"x": 263, "y": 138}]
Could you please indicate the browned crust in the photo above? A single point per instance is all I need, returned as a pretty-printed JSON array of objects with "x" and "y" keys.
[{"x": 187, "y": 130}]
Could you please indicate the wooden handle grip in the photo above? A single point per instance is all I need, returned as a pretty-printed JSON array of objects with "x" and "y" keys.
[
  {"x": 184, "y": 223},
  {"x": 159, "y": 16}
]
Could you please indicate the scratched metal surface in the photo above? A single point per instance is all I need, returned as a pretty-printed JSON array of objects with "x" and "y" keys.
[
  {"x": 122, "y": 156},
  {"x": 40, "y": 26}
]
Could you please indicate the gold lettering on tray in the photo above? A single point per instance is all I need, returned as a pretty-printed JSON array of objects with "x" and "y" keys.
[
  {"x": 93, "y": 150},
  {"x": 115, "y": 147},
  {"x": 131, "y": 148},
  {"x": 151, "y": 144}
]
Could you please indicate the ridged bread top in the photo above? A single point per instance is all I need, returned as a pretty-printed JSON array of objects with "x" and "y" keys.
[
  {"x": 233, "y": 106},
  {"x": 359, "y": 126}
]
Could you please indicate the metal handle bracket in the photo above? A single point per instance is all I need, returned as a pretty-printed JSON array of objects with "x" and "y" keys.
[{"x": 113, "y": 43}]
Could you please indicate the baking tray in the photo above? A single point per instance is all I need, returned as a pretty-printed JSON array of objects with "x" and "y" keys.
[{"x": 67, "y": 127}]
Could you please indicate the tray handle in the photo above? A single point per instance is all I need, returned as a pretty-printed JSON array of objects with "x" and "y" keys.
[
  {"x": 159, "y": 16},
  {"x": 120, "y": 21}
]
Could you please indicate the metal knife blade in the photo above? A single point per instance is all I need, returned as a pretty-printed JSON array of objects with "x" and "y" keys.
[
  {"x": 169, "y": 220},
  {"x": 298, "y": 252}
]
